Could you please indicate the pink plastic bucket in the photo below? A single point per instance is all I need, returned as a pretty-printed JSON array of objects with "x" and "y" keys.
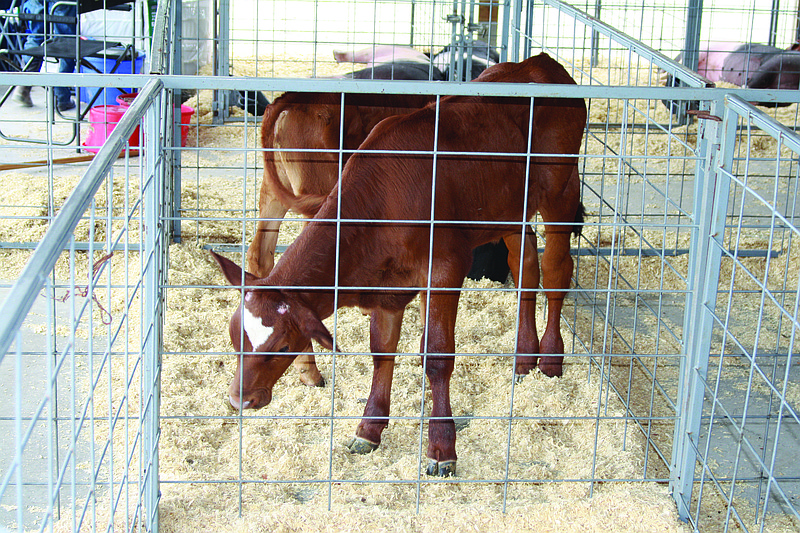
[
  {"x": 186, "y": 118},
  {"x": 186, "y": 113},
  {"x": 103, "y": 119},
  {"x": 126, "y": 99}
]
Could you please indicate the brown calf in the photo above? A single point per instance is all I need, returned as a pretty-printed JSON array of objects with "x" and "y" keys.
[
  {"x": 304, "y": 130},
  {"x": 477, "y": 180}
]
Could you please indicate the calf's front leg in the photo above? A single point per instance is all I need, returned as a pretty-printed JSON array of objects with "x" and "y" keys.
[
  {"x": 439, "y": 362},
  {"x": 384, "y": 334}
]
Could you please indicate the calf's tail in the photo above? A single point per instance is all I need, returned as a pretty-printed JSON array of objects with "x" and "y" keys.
[
  {"x": 304, "y": 204},
  {"x": 578, "y": 227}
]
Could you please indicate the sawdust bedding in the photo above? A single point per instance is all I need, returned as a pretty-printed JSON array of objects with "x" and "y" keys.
[
  {"x": 293, "y": 440},
  {"x": 283, "y": 452}
]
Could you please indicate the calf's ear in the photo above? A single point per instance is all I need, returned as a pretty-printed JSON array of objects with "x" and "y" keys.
[
  {"x": 232, "y": 271},
  {"x": 322, "y": 336},
  {"x": 313, "y": 328}
]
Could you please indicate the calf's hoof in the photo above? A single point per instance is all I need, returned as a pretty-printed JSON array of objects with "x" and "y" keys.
[
  {"x": 361, "y": 446},
  {"x": 551, "y": 370},
  {"x": 311, "y": 382},
  {"x": 441, "y": 468}
]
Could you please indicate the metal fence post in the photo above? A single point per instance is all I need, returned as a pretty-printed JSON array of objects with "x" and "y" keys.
[
  {"x": 515, "y": 22},
  {"x": 153, "y": 257},
  {"x": 710, "y": 206},
  {"x": 175, "y": 113},
  {"x": 691, "y": 47},
  {"x": 595, "y": 46},
  {"x": 166, "y": 59},
  {"x": 222, "y": 58}
]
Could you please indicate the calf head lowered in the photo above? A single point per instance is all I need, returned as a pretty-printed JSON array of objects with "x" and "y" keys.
[{"x": 270, "y": 328}]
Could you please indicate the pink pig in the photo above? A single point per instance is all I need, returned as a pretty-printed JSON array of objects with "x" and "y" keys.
[{"x": 381, "y": 53}]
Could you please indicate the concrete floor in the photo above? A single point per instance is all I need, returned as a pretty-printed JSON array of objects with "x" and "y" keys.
[
  {"x": 50, "y": 446},
  {"x": 17, "y": 121}
]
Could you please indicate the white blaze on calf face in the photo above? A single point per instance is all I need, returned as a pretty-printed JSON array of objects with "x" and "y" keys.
[{"x": 256, "y": 331}]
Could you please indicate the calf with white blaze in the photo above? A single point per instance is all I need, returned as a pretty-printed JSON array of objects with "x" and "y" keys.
[{"x": 484, "y": 188}]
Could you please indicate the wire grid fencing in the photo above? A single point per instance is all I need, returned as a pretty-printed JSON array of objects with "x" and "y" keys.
[
  {"x": 276, "y": 34},
  {"x": 617, "y": 413},
  {"x": 745, "y": 434},
  {"x": 81, "y": 335},
  {"x": 220, "y": 187},
  {"x": 627, "y": 310},
  {"x": 665, "y": 25},
  {"x": 685, "y": 30},
  {"x": 298, "y": 38}
]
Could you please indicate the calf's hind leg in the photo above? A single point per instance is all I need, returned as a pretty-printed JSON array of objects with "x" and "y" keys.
[
  {"x": 556, "y": 274},
  {"x": 527, "y": 281},
  {"x": 306, "y": 364},
  {"x": 563, "y": 215},
  {"x": 261, "y": 252}
]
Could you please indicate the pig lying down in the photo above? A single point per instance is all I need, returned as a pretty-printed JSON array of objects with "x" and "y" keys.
[
  {"x": 750, "y": 65},
  {"x": 483, "y": 56}
]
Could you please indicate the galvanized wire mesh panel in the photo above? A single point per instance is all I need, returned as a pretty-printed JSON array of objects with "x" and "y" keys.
[
  {"x": 80, "y": 383},
  {"x": 627, "y": 310},
  {"x": 663, "y": 25},
  {"x": 609, "y": 424},
  {"x": 626, "y": 306},
  {"x": 747, "y": 431},
  {"x": 269, "y": 39}
]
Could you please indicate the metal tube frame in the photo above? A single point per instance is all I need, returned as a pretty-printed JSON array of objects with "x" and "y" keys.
[{"x": 712, "y": 192}]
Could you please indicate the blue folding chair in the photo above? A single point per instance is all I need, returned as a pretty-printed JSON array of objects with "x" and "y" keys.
[{"x": 56, "y": 47}]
